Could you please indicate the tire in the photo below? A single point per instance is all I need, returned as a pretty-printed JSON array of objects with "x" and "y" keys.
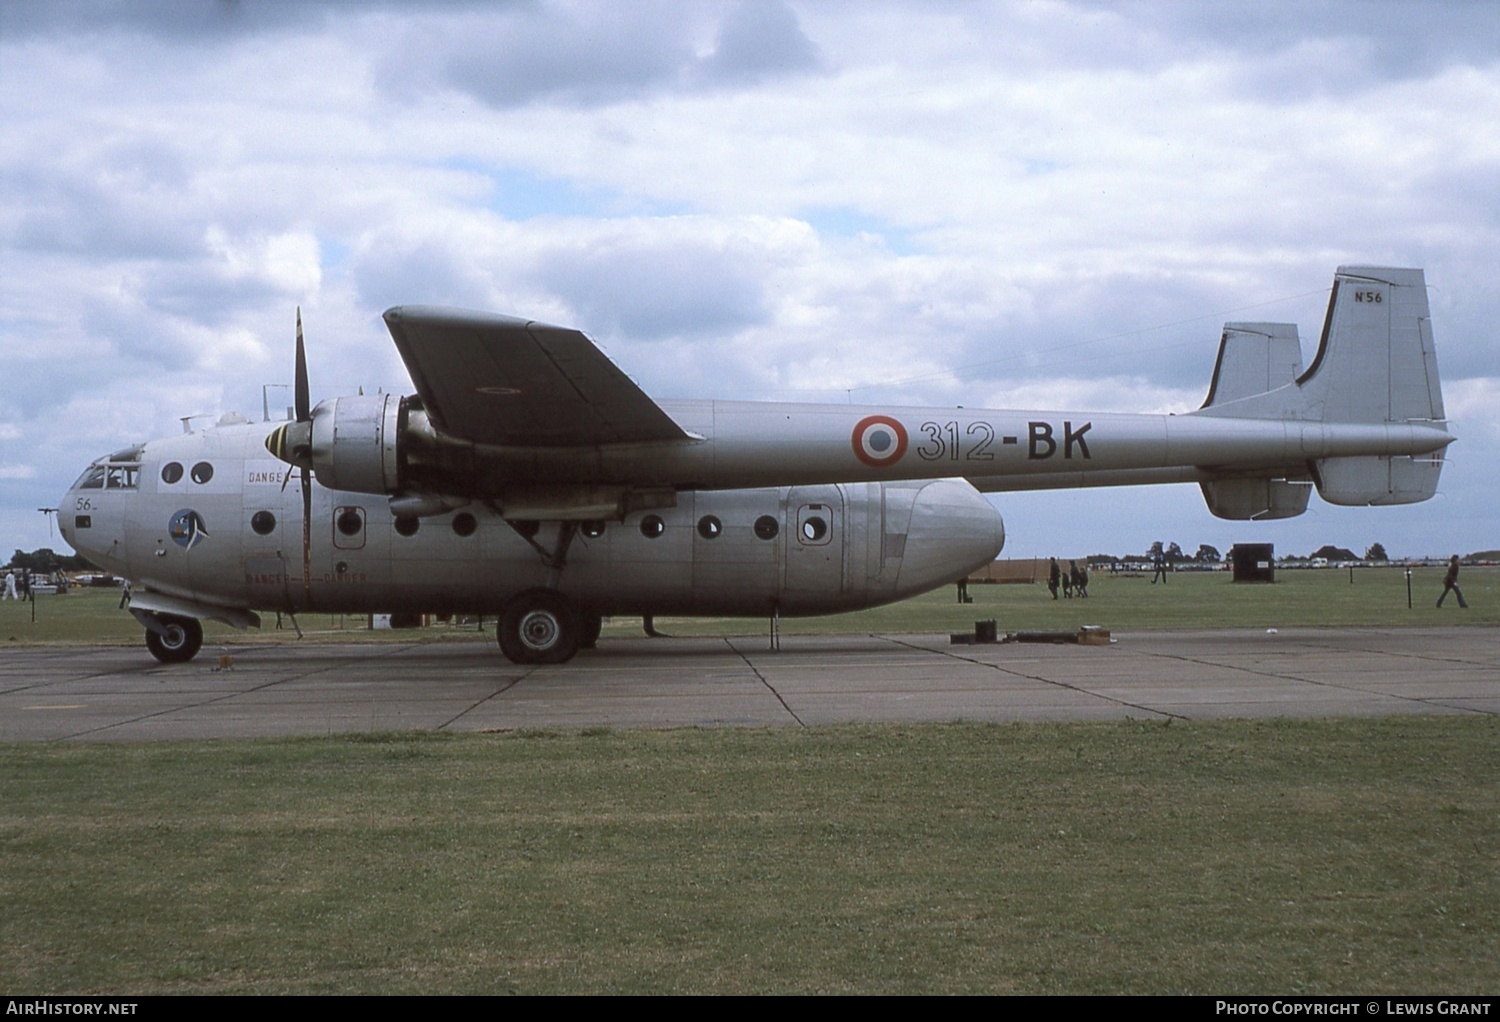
[
  {"x": 183, "y": 639},
  {"x": 538, "y": 627}
]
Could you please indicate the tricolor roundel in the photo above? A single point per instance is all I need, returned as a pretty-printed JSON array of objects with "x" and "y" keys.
[{"x": 879, "y": 440}]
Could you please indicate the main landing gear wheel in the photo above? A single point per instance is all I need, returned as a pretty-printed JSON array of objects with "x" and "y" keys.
[
  {"x": 538, "y": 627},
  {"x": 178, "y": 642}
]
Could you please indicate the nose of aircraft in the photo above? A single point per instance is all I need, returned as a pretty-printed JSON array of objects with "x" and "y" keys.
[
  {"x": 87, "y": 519},
  {"x": 954, "y": 530}
]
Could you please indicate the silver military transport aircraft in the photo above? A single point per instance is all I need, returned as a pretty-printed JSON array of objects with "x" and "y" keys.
[{"x": 530, "y": 479}]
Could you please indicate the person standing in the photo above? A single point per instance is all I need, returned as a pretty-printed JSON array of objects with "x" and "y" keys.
[
  {"x": 1159, "y": 562},
  {"x": 1054, "y": 577},
  {"x": 1450, "y": 581},
  {"x": 11, "y": 594}
]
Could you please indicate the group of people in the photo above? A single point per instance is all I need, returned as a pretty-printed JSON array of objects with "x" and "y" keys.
[{"x": 1073, "y": 582}]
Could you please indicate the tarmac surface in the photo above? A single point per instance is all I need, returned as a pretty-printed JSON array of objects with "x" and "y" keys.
[{"x": 308, "y": 688}]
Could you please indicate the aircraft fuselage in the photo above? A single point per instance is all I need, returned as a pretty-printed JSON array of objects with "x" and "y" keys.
[{"x": 211, "y": 518}]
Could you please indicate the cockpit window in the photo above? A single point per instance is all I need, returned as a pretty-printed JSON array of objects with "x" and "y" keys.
[
  {"x": 113, "y": 473},
  {"x": 122, "y": 477},
  {"x": 92, "y": 478}
]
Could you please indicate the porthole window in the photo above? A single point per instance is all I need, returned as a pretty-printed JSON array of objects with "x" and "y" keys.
[
  {"x": 709, "y": 527},
  {"x": 263, "y": 522},
  {"x": 593, "y": 530},
  {"x": 350, "y": 521},
  {"x": 407, "y": 525},
  {"x": 464, "y": 523},
  {"x": 652, "y": 526},
  {"x": 814, "y": 529},
  {"x": 766, "y": 527},
  {"x": 171, "y": 472},
  {"x": 202, "y": 472}
]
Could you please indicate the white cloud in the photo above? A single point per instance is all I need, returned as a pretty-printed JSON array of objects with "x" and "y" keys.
[{"x": 982, "y": 203}]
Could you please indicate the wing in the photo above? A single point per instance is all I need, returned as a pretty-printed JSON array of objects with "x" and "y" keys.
[{"x": 502, "y": 380}]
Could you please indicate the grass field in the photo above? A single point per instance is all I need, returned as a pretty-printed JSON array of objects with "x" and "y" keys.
[
  {"x": 1220, "y": 857},
  {"x": 1230, "y": 857},
  {"x": 1376, "y": 597}
]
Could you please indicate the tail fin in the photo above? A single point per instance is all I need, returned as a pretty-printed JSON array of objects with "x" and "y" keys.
[
  {"x": 1375, "y": 365},
  {"x": 1253, "y": 359},
  {"x": 1375, "y": 362}
]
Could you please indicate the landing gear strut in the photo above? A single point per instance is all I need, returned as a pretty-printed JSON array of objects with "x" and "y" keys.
[
  {"x": 540, "y": 626},
  {"x": 174, "y": 640}
]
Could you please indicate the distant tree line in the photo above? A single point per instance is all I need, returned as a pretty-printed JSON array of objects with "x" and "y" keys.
[
  {"x": 48, "y": 560},
  {"x": 1173, "y": 553}
]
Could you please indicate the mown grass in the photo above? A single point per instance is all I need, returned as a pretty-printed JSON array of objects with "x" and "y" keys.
[
  {"x": 1224, "y": 857},
  {"x": 1189, "y": 600},
  {"x": 1376, "y": 597}
]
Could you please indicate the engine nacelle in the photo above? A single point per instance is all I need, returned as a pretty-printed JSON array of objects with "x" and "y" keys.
[{"x": 356, "y": 443}]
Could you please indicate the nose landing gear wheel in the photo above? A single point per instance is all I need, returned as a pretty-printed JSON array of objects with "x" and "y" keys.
[
  {"x": 538, "y": 627},
  {"x": 178, "y": 642}
]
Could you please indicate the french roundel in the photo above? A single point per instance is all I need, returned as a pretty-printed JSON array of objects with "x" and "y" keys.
[{"x": 879, "y": 440}]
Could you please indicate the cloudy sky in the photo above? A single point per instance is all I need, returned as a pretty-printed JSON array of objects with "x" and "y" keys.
[{"x": 1052, "y": 204}]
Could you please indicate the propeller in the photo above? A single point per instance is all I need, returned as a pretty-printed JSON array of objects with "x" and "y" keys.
[{"x": 292, "y": 443}]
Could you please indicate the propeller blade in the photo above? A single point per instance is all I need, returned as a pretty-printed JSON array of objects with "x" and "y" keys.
[
  {"x": 292, "y": 441},
  {"x": 304, "y": 404}
]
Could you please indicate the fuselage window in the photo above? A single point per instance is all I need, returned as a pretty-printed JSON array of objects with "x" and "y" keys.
[
  {"x": 814, "y": 529},
  {"x": 171, "y": 472},
  {"x": 709, "y": 527},
  {"x": 593, "y": 530},
  {"x": 464, "y": 523},
  {"x": 652, "y": 526},
  {"x": 202, "y": 472},
  {"x": 350, "y": 521},
  {"x": 263, "y": 522},
  {"x": 407, "y": 525},
  {"x": 766, "y": 527}
]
